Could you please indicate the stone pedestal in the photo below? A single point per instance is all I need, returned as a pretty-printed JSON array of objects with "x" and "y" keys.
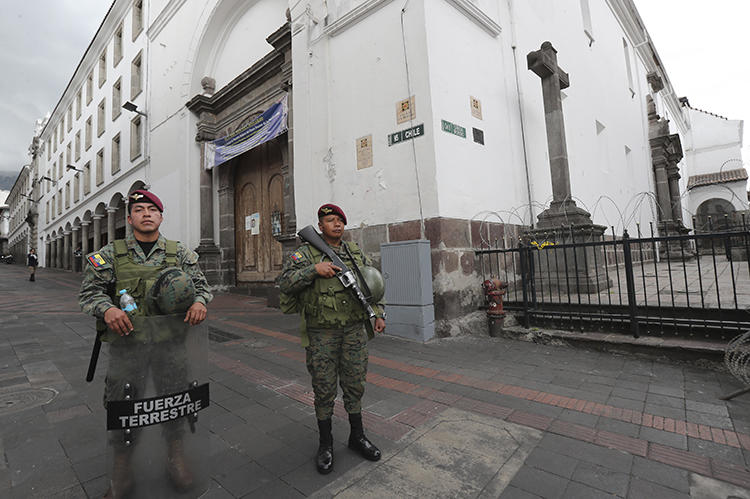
[
  {"x": 564, "y": 214},
  {"x": 84, "y": 239},
  {"x": 111, "y": 214},
  {"x": 66, "y": 250},
  {"x": 675, "y": 249},
  {"x": 210, "y": 262},
  {"x": 97, "y": 233},
  {"x": 75, "y": 264},
  {"x": 574, "y": 269}
]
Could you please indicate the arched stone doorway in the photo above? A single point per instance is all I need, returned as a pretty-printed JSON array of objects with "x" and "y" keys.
[
  {"x": 255, "y": 189},
  {"x": 714, "y": 214}
]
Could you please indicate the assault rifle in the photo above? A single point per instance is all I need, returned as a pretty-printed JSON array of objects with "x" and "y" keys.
[{"x": 345, "y": 275}]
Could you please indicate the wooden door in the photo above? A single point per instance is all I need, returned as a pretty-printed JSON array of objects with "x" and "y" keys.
[{"x": 258, "y": 194}]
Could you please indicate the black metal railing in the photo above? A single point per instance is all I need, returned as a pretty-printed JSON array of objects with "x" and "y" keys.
[{"x": 660, "y": 285}]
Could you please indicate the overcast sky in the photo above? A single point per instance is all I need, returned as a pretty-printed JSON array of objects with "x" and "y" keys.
[
  {"x": 702, "y": 45},
  {"x": 41, "y": 43}
]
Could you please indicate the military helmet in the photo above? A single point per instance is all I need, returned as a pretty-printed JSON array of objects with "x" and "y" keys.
[
  {"x": 173, "y": 292},
  {"x": 375, "y": 282}
]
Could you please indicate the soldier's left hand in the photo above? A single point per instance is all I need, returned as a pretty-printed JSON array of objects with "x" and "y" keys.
[
  {"x": 196, "y": 313},
  {"x": 379, "y": 325}
]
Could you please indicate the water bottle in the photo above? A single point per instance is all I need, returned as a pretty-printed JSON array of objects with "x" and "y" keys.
[{"x": 127, "y": 303}]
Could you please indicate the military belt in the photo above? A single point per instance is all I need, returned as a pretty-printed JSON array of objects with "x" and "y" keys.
[{"x": 346, "y": 329}]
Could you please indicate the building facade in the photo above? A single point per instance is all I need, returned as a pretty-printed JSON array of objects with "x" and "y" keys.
[
  {"x": 20, "y": 216},
  {"x": 423, "y": 121}
]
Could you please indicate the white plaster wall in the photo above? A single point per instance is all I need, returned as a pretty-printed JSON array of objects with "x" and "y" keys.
[
  {"x": 604, "y": 180},
  {"x": 220, "y": 39},
  {"x": 473, "y": 177},
  {"x": 715, "y": 144},
  {"x": 347, "y": 86}
]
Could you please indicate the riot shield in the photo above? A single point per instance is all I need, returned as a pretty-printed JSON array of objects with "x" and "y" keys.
[{"x": 156, "y": 386}]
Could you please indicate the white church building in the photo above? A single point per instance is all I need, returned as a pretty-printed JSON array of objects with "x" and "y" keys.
[{"x": 420, "y": 118}]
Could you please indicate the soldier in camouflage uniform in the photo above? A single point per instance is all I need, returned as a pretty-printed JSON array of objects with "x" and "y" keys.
[
  {"x": 134, "y": 264},
  {"x": 335, "y": 330}
]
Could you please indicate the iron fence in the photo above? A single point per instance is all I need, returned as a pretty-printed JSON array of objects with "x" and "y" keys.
[{"x": 660, "y": 285}]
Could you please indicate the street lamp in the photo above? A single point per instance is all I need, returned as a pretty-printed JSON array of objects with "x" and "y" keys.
[
  {"x": 71, "y": 167},
  {"x": 29, "y": 198},
  {"x": 129, "y": 106}
]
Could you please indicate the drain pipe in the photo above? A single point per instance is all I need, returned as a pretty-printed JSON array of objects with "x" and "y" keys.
[{"x": 513, "y": 46}]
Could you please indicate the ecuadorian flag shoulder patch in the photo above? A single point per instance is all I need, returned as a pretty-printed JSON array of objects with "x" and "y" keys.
[
  {"x": 96, "y": 260},
  {"x": 296, "y": 256}
]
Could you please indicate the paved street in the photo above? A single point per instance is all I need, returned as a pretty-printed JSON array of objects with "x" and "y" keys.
[{"x": 465, "y": 417}]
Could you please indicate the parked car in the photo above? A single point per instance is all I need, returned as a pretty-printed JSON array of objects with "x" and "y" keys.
[{"x": 7, "y": 259}]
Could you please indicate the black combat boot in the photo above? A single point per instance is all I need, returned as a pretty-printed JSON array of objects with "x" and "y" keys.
[
  {"x": 324, "y": 458},
  {"x": 177, "y": 467},
  {"x": 359, "y": 442},
  {"x": 32, "y": 278},
  {"x": 121, "y": 483}
]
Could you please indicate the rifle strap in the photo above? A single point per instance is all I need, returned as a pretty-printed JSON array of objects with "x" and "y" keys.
[{"x": 365, "y": 287}]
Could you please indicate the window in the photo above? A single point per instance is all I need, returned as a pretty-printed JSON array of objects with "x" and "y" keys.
[
  {"x": 88, "y": 133},
  {"x": 137, "y": 18},
  {"x": 60, "y": 129},
  {"x": 78, "y": 145},
  {"x": 100, "y": 116},
  {"x": 48, "y": 176},
  {"x": 100, "y": 167},
  {"x": 59, "y": 202},
  {"x": 60, "y": 167},
  {"x": 49, "y": 149},
  {"x": 102, "y": 68},
  {"x": 586, "y": 16},
  {"x": 90, "y": 88},
  {"x": 77, "y": 188},
  {"x": 135, "y": 77},
  {"x": 116, "y": 154},
  {"x": 67, "y": 194},
  {"x": 117, "y": 47},
  {"x": 46, "y": 212},
  {"x": 628, "y": 67},
  {"x": 135, "y": 138},
  {"x": 70, "y": 117},
  {"x": 68, "y": 155},
  {"x": 79, "y": 98},
  {"x": 53, "y": 206},
  {"x": 87, "y": 178},
  {"x": 116, "y": 99},
  {"x": 54, "y": 142}
]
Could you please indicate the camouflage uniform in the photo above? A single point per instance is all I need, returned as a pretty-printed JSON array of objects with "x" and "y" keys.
[
  {"x": 334, "y": 326},
  {"x": 132, "y": 356},
  {"x": 94, "y": 298}
]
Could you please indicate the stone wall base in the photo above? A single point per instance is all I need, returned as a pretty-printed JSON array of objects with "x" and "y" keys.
[{"x": 456, "y": 272}]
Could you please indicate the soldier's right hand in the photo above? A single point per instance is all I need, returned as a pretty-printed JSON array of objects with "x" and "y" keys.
[
  {"x": 326, "y": 269},
  {"x": 118, "y": 321}
]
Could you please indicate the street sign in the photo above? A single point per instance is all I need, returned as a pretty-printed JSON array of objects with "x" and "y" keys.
[
  {"x": 449, "y": 127},
  {"x": 408, "y": 134}
]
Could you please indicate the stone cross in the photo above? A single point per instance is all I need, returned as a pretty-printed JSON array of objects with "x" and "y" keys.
[{"x": 543, "y": 62}]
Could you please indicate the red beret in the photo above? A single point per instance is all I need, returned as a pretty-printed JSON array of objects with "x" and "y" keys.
[
  {"x": 144, "y": 196},
  {"x": 331, "y": 209}
]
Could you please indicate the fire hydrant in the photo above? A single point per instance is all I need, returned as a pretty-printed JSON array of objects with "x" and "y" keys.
[{"x": 494, "y": 289}]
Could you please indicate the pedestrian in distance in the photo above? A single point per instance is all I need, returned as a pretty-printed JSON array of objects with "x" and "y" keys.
[
  {"x": 335, "y": 329},
  {"x": 137, "y": 264},
  {"x": 32, "y": 261}
]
